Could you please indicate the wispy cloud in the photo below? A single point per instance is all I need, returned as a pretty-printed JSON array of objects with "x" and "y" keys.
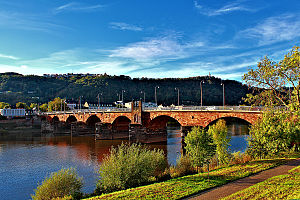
[
  {"x": 274, "y": 29},
  {"x": 74, "y": 6},
  {"x": 8, "y": 57},
  {"x": 125, "y": 26},
  {"x": 232, "y": 7},
  {"x": 162, "y": 48},
  {"x": 23, "y": 21}
]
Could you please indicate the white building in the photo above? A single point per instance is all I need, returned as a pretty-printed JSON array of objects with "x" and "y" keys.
[{"x": 10, "y": 113}]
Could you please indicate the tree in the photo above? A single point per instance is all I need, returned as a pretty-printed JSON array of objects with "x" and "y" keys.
[
  {"x": 278, "y": 77},
  {"x": 4, "y": 105},
  {"x": 44, "y": 107},
  {"x": 57, "y": 104},
  {"x": 21, "y": 105},
  {"x": 33, "y": 105},
  {"x": 221, "y": 139},
  {"x": 60, "y": 184},
  {"x": 200, "y": 147},
  {"x": 274, "y": 133}
]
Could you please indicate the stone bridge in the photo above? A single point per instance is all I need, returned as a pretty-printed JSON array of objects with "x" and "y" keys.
[{"x": 151, "y": 121}]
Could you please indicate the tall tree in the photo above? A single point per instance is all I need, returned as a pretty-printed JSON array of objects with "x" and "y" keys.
[
  {"x": 277, "y": 77},
  {"x": 200, "y": 147}
]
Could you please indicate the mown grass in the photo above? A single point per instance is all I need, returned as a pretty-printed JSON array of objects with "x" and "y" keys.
[
  {"x": 279, "y": 187},
  {"x": 188, "y": 185}
]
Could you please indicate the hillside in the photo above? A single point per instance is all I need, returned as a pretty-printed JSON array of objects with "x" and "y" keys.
[{"x": 16, "y": 87}]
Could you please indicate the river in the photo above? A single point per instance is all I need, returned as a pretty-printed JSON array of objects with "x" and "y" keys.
[{"x": 24, "y": 162}]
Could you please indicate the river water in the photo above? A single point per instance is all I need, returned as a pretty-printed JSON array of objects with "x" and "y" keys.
[{"x": 24, "y": 162}]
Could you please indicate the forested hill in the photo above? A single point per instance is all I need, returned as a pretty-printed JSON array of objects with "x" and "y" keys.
[{"x": 16, "y": 87}]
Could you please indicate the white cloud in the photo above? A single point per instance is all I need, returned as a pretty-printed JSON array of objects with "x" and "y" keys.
[
  {"x": 125, "y": 26},
  {"x": 164, "y": 48},
  {"x": 236, "y": 6},
  {"x": 274, "y": 29},
  {"x": 74, "y": 6},
  {"x": 8, "y": 57}
]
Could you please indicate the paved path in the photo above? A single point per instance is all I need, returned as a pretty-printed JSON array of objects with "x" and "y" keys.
[{"x": 233, "y": 187}]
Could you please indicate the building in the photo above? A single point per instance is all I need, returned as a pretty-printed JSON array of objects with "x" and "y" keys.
[{"x": 12, "y": 113}]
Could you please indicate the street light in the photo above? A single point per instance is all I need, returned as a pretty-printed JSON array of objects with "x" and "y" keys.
[
  {"x": 201, "y": 90},
  {"x": 223, "y": 94},
  {"x": 144, "y": 96},
  {"x": 80, "y": 102},
  {"x": 98, "y": 97},
  {"x": 178, "y": 96},
  {"x": 155, "y": 94},
  {"x": 123, "y": 96}
]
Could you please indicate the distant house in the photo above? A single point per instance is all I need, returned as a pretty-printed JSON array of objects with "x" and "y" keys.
[
  {"x": 11, "y": 113},
  {"x": 94, "y": 105}
]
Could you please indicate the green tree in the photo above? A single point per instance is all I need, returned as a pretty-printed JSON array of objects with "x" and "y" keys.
[
  {"x": 33, "y": 105},
  {"x": 4, "y": 105},
  {"x": 200, "y": 147},
  {"x": 21, "y": 105},
  {"x": 277, "y": 77},
  {"x": 129, "y": 166},
  {"x": 221, "y": 139},
  {"x": 44, "y": 107},
  {"x": 60, "y": 184},
  {"x": 57, "y": 104},
  {"x": 274, "y": 133}
]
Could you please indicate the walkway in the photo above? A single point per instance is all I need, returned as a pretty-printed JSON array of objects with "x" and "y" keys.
[{"x": 233, "y": 187}]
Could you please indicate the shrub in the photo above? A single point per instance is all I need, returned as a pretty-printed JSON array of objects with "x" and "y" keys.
[
  {"x": 183, "y": 167},
  {"x": 129, "y": 166},
  {"x": 60, "y": 184}
]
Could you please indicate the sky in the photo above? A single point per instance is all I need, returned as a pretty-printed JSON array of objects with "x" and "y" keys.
[{"x": 139, "y": 38}]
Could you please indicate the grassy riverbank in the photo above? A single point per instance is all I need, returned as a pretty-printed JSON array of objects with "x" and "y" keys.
[
  {"x": 188, "y": 185},
  {"x": 282, "y": 187}
]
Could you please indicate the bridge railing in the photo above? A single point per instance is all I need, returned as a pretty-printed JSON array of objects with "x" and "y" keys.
[
  {"x": 208, "y": 108},
  {"x": 92, "y": 110}
]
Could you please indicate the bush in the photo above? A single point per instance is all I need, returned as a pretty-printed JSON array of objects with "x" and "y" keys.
[
  {"x": 60, "y": 184},
  {"x": 183, "y": 167},
  {"x": 128, "y": 166}
]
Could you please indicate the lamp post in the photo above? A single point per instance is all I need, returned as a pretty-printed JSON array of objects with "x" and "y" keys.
[
  {"x": 155, "y": 94},
  {"x": 98, "y": 97},
  {"x": 144, "y": 96},
  {"x": 223, "y": 95},
  {"x": 177, "y": 96},
  {"x": 201, "y": 82},
  {"x": 123, "y": 96}
]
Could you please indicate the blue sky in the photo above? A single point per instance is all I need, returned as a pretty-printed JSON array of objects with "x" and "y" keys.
[{"x": 139, "y": 38}]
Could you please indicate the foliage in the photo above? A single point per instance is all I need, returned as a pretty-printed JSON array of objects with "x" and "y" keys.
[
  {"x": 44, "y": 107},
  {"x": 276, "y": 132},
  {"x": 276, "y": 77},
  {"x": 73, "y": 86},
  {"x": 33, "y": 105},
  {"x": 221, "y": 139},
  {"x": 4, "y": 105},
  {"x": 199, "y": 146},
  {"x": 57, "y": 104},
  {"x": 21, "y": 105},
  {"x": 60, "y": 184},
  {"x": 128, "y": 166},
  {"x": 181, "y": 187},
  {"x": 183, "y": 167},
  {"x": 279, "y": 187}
]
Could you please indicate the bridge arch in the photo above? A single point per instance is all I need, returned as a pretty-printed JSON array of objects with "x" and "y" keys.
[
  {"x": 92, "y": 120},
  {"x": 71, "y": 119},
  {"x": 235, "y": 125},
  {"x": 238, "y": 116},
  {"x": 121, "y": 123},
  {"x": 55, "y": 119},
  {"x": 161, "y": 122}
]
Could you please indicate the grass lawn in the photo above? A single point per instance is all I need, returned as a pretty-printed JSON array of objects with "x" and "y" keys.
[
  {"x": 188, "y": 185},
  {"x": 278, "y": 187}
]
